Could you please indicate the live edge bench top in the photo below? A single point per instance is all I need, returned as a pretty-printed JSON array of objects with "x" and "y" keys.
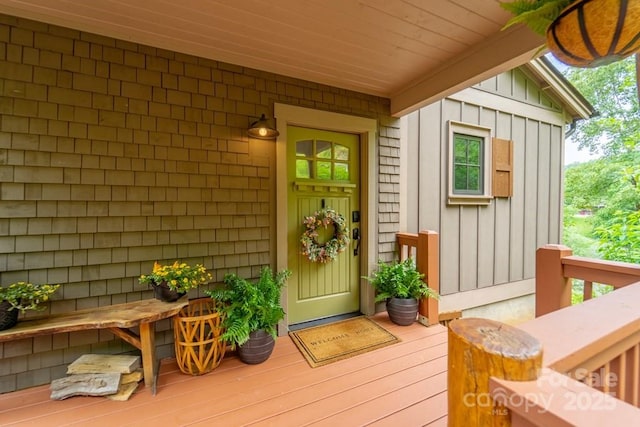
[
  {"x": 126, "y": 315},
  {"x": 117, "y": 318}
]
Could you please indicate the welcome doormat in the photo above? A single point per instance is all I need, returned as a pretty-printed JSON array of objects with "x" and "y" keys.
[{"x": 329, "y": 343}]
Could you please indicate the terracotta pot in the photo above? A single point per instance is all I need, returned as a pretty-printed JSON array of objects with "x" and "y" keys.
[
  {"x": 257, "y": 349},
  {"x": 162, "y": 292},
  {"x": 590, "y": 33},
  {"x": 8, "y": 318},
  {"x": 402, "y": 311}
]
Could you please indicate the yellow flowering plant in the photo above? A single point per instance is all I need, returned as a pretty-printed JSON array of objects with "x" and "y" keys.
[
  {"x": 25, "y": 296},
  {"x": 180, "y": 277}
]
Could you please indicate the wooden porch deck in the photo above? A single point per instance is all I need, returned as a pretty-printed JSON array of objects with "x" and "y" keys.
[{"x": 400, "y": 385}]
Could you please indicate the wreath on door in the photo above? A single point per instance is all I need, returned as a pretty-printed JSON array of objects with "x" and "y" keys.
[{"x": 329, "y": 250}]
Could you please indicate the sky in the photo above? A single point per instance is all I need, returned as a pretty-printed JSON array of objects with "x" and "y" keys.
[
  {"x": 573, "y": 155},
  {"x": 571, "y": 152}
]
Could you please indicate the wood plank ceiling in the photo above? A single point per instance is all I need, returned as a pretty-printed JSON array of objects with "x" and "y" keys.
[{"x": 411, "y": 51}]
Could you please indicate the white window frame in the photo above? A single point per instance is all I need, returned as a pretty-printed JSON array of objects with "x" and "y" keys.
[{"x": 477, "y": 131}]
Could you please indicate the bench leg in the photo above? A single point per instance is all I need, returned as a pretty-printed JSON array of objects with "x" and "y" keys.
[{"x": 148, "y": 350}]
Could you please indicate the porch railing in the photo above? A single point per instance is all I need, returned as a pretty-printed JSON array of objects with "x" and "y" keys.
[
  {"x": 424, "y": 248},
  {"x": 556, "y": 266},
  {"x": 590, "y": 370}
]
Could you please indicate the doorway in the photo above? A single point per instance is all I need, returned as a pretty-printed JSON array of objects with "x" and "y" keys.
[
  {"x": 323, "y": 173},
  {"x": 365, "y": 129}
]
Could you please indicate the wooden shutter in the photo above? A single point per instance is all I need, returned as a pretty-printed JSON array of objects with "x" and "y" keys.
[{"x": 502, "y": 167}]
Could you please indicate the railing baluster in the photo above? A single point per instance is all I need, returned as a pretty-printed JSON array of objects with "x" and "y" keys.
[
  {"x": 636, "y": 375},
  {"x": 604, "y": 380},
  {"x": 622, "y": 377},
  {"x": 588, "y": 290}
]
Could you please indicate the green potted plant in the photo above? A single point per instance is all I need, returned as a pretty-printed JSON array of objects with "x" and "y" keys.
[
  {"x": 251, "y": 313},
  {"x": 582, "y": 33},
  {"x": 20, "y": 297},
  {"x": 171, "y": 281},
  {"x": 401, "y": 285}
]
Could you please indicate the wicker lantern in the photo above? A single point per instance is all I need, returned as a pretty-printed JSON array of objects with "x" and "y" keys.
[{"x": 590, "y": 33}]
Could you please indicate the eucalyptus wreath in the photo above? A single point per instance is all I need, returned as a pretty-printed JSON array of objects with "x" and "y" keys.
[{"x": 328, "y": 251}]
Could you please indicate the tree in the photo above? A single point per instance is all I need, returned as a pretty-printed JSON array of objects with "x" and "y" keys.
[
  {"x": 588, "y": 185},
  {"x": 611, "y": 188},
  {"x": 610, "y": 185},
  {"x": 612, "y": 91},
  {"x": 620, "y": 237}
]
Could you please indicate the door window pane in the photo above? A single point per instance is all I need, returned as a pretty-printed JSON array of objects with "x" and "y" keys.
[
  {"x": 304, "y": 148},
  {"x": 341, "y": 152},
  {"x": 303, "y": 168},
  {"x": 341, "y": 171},
  {"x": 323, "y": 149},
  {"x": 324, "y": 170}
]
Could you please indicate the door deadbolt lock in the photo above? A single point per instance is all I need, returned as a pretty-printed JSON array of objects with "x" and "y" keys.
[{"x": 355, "y": 234}]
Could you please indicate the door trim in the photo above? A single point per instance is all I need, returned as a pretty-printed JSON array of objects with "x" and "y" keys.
[{"x": 367, "y": 129}]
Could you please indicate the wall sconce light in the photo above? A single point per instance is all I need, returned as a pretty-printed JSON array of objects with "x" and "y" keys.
[{"x": 261, "y": 129}]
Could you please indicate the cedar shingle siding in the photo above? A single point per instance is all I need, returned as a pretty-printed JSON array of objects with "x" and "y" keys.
[{"x": 114, "y": 155}]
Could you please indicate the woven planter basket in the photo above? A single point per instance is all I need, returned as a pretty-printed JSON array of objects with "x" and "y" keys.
[
  {"x": 196, "y": 330},
  {"x": 591, "y": 33}
]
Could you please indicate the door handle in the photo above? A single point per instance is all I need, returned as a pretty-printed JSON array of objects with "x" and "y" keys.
[{"x": 355, "y": 234}]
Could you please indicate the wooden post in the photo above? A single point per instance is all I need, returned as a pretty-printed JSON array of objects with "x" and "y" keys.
[
  {"x": 483, "y": 348},
  {"x": 428, "y": 262},
  {"x": 553, "y": 290},
  {"x": 149, "y": 358}
]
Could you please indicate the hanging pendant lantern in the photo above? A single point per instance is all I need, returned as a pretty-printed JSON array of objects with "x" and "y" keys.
[{"x": 591, "y": 33}]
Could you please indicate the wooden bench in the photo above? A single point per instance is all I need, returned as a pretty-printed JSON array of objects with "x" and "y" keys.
[{"x": 118, "y": 318}]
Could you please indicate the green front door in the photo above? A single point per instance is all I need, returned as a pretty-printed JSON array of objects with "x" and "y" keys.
[{"x": 322, "y": 172}]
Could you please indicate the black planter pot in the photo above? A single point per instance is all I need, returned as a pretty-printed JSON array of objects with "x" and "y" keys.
[
  {"x": 257, "y": 349},
  {"x": 8, "y": 318},
  {"x": 402, "y": 311},
  {"x": 162, "y": 292}
]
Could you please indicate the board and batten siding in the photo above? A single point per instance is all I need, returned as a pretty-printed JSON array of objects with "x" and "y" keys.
[{"x": 482, "y": 246}]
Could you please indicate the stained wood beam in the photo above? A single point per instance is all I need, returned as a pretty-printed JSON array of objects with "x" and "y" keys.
[{"x": 501, "y": 52}]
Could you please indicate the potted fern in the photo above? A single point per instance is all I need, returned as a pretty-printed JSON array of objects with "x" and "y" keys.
[
  {"x": 401, "y": 285},
  {"x": 251, "y": 313},
  {"x": 582, "y": 33}
]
